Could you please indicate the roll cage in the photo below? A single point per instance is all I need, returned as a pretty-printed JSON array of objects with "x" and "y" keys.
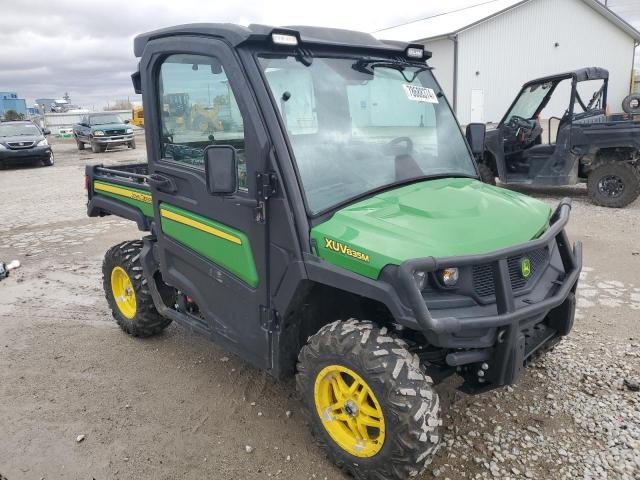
[{"x": 597, "y": 102}]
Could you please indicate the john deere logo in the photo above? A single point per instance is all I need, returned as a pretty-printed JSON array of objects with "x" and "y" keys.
[{"x": 525, "y": 267}]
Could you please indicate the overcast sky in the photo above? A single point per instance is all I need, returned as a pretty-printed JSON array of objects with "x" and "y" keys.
[{"x": 49, "y": 47}]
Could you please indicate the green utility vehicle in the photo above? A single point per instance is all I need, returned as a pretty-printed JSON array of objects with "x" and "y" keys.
[{"x": 331, "y": 226}]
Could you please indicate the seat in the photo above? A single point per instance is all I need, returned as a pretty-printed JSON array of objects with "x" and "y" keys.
[{"x": 544, "y": 150}]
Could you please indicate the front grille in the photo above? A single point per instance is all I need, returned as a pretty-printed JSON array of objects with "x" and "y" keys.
[
  {"x": 483, "y": 280},
  {"x": 19, "y": 145},
  {"x": 114, "y": 132},
  {"x": 483, "y": 274}
]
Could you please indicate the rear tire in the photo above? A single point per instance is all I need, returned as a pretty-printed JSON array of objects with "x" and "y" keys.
[
  {"x": 486, "y": 174},
  {"x": 614, "y": 184},
  {"x": 356, "y": 357},
  {"x": 127, "y": 291}
]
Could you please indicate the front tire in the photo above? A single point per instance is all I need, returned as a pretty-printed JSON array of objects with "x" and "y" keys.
[
  {"x": 614, "y": 184},
  {"x": 132, "y": 144},
  {"x": 486, "y": 174},
  {"x": 49, "y": 161},
  {"x": 95, "y": 147},
  {"x": 370, "y": 406},
  {"x": 79, "y": 144},
  {"x": 127, "y": 291}
]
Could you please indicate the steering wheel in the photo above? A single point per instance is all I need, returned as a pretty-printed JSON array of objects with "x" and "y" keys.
[
  {"x": 520, "y": 122},
  {"x": 394, "y": 146}
]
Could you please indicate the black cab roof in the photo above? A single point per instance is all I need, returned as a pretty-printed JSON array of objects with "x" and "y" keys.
[
  {"x": 237, "y": 35},
  {"x": 580, "y": 75}
]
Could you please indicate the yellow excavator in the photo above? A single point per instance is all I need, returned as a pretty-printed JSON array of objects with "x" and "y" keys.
[
  {"x": 137, "y": 116},
  {"x": 182, "y": 114}
]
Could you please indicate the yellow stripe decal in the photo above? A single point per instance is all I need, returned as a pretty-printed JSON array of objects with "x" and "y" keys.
[
  {"x": 200, "y": 226},
  {"x": 142, "y": 197}
]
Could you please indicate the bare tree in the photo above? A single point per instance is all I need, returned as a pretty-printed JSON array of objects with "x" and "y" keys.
[{"x": 13, "y": 115}]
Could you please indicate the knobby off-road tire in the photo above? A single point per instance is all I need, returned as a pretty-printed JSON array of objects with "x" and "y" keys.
[
  {"x": 398, "y": 387},
  {"x": 486, "y": 174},
  {"x": 134, "y": 310},
  {"x": 615, "y": 171}
]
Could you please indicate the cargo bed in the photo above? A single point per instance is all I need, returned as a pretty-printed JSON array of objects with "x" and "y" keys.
[{"x": 120, "y": 190}]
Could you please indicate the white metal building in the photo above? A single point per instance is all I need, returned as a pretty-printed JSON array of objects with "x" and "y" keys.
[{"x": 483, "y": 54}]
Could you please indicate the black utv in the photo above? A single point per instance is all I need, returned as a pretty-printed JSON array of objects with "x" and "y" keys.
[{"x": 590, "y": 145}]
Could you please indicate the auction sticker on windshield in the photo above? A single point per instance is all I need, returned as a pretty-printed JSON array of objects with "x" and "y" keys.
[{"x": 420, "y": 94}]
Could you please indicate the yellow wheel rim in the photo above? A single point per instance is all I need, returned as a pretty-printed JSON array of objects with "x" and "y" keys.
[
  {"x": 123, "y": 292},
  {"x": 349, "y": 411}
]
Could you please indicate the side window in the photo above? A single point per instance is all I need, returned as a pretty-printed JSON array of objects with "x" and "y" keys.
[{"x": 198, "y": 109}]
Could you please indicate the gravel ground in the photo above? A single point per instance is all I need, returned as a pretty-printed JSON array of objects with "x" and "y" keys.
[{"x": 80, "y": 399}]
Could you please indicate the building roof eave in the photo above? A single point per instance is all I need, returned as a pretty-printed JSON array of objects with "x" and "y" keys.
[{"x": 594, "y": 4}]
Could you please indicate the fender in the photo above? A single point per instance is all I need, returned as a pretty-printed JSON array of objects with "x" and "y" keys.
[{"x": 100, "y": 206}]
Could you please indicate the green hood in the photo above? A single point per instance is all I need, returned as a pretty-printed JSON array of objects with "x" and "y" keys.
[{"x": 438, "y": 218}]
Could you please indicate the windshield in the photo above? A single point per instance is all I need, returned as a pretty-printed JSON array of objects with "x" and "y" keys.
[
  {"x": 105, "y": 119},
  {"x": 18, "y": 129},
  {"x": 357, "y": 126},
  {"x": 529, "y": 101}
]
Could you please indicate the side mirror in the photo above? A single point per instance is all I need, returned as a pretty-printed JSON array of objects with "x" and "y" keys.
[
  {"x": 127, "y": 121},
  {"x": 475, "y": 134},
  {"x": 46, "y": 131},
  {"x": 220, "y": 169}
]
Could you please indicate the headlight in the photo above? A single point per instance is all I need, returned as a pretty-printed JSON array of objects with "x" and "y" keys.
[
  {"x": 420, "y": 278},
  {"x": 2, "y": 147},
  {"x": 129, "y": 130},
  {"x": 42, "y": 143},
  {"x": 449, "y": 276},
  {"x": 98, "y": 133}
]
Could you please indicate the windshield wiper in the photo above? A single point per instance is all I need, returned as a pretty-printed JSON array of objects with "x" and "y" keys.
[{"x": 367, "y": 66}]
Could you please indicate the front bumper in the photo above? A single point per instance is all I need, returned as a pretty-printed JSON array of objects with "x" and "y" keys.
[
  {"x": 114, "y": 140},
  {"x": 25, "y": 154},
  {"x": 518, "y": 328}
]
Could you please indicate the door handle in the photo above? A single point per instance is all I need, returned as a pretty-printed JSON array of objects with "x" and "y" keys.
[{"x": 162, "y": 183}]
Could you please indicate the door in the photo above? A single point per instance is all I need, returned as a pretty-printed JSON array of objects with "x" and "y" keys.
[
  {"x": 477, "y": 106},
  {"x": 82, "y": 128},
  {"x": 210, "y": 247}
]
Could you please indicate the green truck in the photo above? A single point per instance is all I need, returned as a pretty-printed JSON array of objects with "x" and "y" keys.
[{"x": 333, "y": 228}]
